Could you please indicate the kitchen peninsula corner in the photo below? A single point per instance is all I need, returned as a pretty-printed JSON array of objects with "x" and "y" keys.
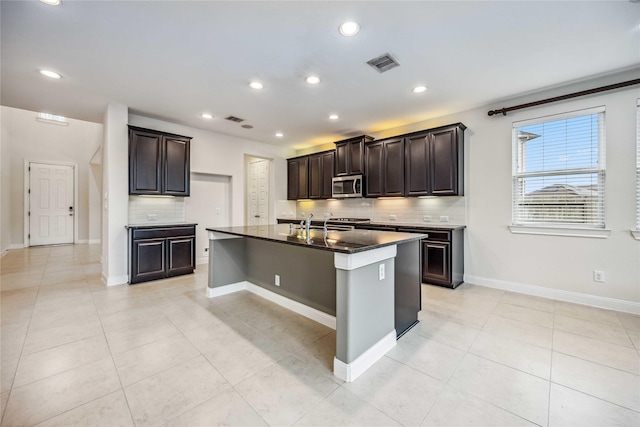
[{"x": 343, "y": 279}]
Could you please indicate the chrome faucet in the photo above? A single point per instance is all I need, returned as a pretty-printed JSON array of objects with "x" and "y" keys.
[
  {"x": 324, "y": 229},
  {"x": 308, "y": 225}
]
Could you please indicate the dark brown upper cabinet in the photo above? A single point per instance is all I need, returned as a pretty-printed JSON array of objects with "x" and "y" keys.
[
  {"x": 298, "y": 178},
  {"x": 159, "y": 163},
  {"x": 434, "y": 162},
  {"x": 350, "y": 156},
  {"x": 320, "y": 175},
  {"x": 384, "y": 161}
]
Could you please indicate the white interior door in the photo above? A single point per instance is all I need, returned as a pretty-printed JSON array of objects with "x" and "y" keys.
[
  {"x": 51, "y": 205},
  {"x": 258, "y": 193}
]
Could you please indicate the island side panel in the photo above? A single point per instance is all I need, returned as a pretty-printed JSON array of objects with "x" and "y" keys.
[
  {"x": 408, "y": 286},
  {"x": 365, "y": 312},
  {"x": 227, "y": 262},
  {"x": 306, "y": 275}
]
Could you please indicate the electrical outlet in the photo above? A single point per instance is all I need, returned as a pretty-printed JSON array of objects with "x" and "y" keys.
[
  {"x": 217, "y": 211},
  {"x": 152, "y": 217},
  {"x": 598, "y": 276},
  {"x": 444, "y": 218},
  {"x": 392, "y": 217},
  {"x": 426, "y": 218},
  {"x": 277, "y": 280},
  {"x": 381, "y": 272}
]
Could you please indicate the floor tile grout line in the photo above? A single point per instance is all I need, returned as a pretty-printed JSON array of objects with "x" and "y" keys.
[{"x": 596, "y": 397}]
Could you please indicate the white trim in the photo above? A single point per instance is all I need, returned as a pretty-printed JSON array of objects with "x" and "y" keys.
[
  {"x": 94, "y": 241},
  {"x": 360, "y": 259},
  {"x": 202, "y": 260},
  {"x": 635, "y": 234},
  {"x": 558, "y": 294},
  {"x": 226, "y": 289},
  {"x": 596, "y": 233},
  {"x": 350, "y": 371},
  {"x": 561, "y": 116},
  {"x": 295, "y": 306},
  {"x": 115, "y": 280},
  {"x": 3, "y": 253},
  {"x": 17, "y": 246},
  {"x": 87, "y": 241}
]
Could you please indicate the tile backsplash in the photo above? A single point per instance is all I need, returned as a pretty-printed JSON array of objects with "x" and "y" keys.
[
  {"x": 156, "y": 209},
  {"x": 401, "y": 210}
]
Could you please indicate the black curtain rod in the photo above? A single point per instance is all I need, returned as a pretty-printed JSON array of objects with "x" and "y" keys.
[{"x": 504, "y": 111}]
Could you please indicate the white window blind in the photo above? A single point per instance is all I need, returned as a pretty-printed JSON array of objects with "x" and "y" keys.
[
  {"x": 559, "y": 170},
  {"x": 638, "y": 166}
]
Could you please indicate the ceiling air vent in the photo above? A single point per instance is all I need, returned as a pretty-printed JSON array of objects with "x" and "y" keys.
[
  {"x": 234, "y": 119},
  {"x": 383, "y": 63}
]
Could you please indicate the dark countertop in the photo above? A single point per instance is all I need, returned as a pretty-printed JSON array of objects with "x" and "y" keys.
[
  {"x": 348, "y": 242},
  {"x": 419, "y": 226},
  {"x": 391, "y": 224},
  {"x": 160, "y": 225}
]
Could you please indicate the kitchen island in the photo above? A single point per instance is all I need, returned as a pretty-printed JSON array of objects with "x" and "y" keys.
[{"x": 347, "y": 280}]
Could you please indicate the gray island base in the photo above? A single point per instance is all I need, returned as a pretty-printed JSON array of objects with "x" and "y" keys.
[{"x": 343, "y": 279}]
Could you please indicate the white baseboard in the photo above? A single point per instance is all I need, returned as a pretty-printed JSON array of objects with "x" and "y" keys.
[
  {"x": 304, "y": 310},
  {"x": 3, "y": 253},
  {"x": 94, "y": 241},
  {"x": 16, "y": 246},
  {"x": 568, "y": 296},
  {"x": 115, "y": 280},
  {"x": 350, "y": 371}
]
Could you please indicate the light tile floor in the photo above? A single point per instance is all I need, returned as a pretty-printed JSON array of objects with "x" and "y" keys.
[{"x": 75, "y": 352}]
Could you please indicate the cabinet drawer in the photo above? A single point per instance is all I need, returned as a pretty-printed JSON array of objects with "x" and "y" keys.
[
  {"x": 159, "y": 233},
  {"x": 444, "y": 236}
]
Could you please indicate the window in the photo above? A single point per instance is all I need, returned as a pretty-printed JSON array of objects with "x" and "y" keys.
[{"x": 559, "y": 170}]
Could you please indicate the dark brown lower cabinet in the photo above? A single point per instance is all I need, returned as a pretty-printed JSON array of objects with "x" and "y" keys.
[
  {"x": 161, "y": 252},
  {"x": 442, "y": 258}
]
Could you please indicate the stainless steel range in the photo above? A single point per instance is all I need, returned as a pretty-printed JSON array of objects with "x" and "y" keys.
[{"x": 348, "y": 221}]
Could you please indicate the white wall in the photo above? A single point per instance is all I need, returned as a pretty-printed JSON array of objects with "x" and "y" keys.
[
  {"x": 218, "y": 154},
  {"x": 548, "y": 265},
  {"x": 24, "y": 138},
  {"x": 5, "y": 201}
]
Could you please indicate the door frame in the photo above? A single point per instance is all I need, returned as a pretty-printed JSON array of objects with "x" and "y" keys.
[
  {"x": 245, "y": 202},
  {"x": 25, "y": 193}
]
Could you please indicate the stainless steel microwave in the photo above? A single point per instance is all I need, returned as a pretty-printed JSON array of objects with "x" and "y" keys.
[{"x": 347, "y": 186}]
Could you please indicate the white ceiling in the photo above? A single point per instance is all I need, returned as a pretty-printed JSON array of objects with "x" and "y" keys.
[{"x": 174, "y": 60}]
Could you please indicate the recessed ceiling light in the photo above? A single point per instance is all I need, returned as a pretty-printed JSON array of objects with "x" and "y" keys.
[
  {"x": 207, "y": 116},
  {"x": 313, "y": 80},
  {"x": 349, "y": 28},
  {"x": 279, "y": 134},
  {"x": 255, "y": 85},
  {"x": 50, "y": 74},
  {"x": 334, "y": 117},
  {"x": 419, "y": 89},
  {"x": 51, "y": 2}
]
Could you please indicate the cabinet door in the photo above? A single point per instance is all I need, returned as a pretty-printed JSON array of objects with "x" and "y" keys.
[
  {"x": 176, "y": 166},
  {"x": 145, "y": 160},
  {"x": 180, "y": 255},
  {"x": 303, "y": 178},
  {"x": 342, "y": 158},
  {"x": 444, "y": 162},
  {"x": 148, "y": 260},
  {"x": 292, "y": 179},
  {"x": 374, "y": 182},
  {"x": 356, "y": 161},
  {"x": 315, "y": 177},
  {"x": 436, "y": 262},
  {"x": 327, "y": 175},
  {"x": 394, "y": 167},
  {"x": 416, "y": 165}
]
